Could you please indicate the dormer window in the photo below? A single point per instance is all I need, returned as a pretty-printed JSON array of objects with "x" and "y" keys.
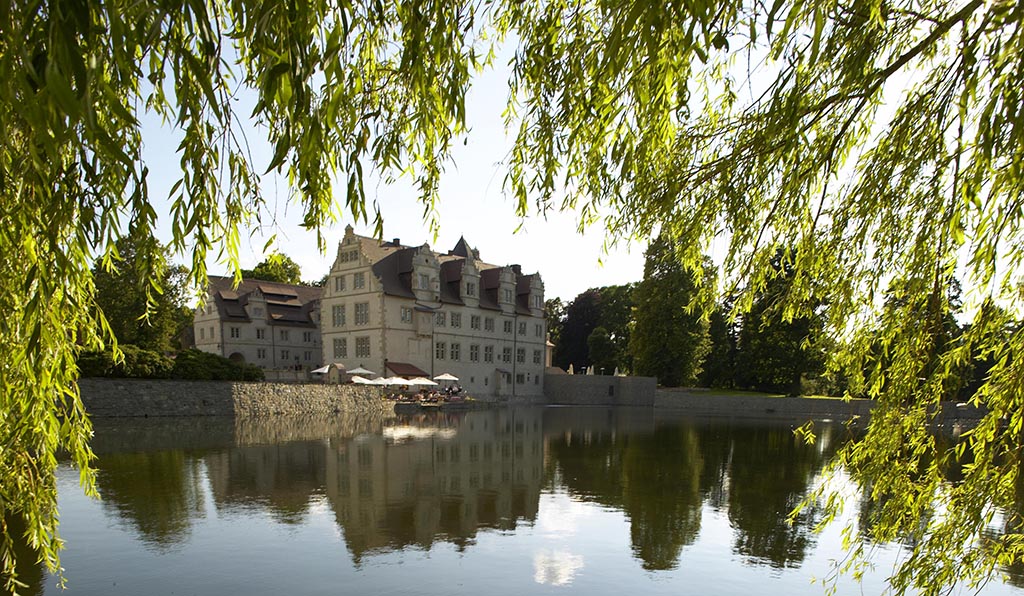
[
  {"x": 424, "y": 281},
  {"x": 508, "y": 295},
  {"x": 470, "y": 289}
]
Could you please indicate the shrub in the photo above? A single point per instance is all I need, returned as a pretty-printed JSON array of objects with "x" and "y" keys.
[
  {"x": 203, "y": 366},
  {"x": 137, "y": 364}
]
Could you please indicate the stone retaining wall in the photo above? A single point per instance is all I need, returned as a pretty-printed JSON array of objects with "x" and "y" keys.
[
  {"x": 145, "y": 397},
  {"x": 599, "y": 390},
  {"x": 739, "y": 405}
]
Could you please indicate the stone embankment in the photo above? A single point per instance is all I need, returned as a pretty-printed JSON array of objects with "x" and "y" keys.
[
  {"x": 702, "y": 402},
  {"x": 143, "y": 397}
]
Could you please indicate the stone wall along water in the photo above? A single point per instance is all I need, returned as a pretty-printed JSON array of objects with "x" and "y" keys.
[{"x": 151, "y": 397}]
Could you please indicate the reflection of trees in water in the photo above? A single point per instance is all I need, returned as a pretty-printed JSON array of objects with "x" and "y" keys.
[
  {"x": 661, "y": 476},
  {"x": 662, "y": 494},
  {"x": 770, "y": 473},
  {"x": 156, "y": 491},
  {"x": 28, "y": 569},
  {"x": 653, "y": 476}
]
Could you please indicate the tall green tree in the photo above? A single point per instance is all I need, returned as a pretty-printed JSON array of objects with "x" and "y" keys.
[
  {"x": 136, "y": 314},
  {"x": 720, "y": 365},
  {"x": 601, "y": 351},
  {"x": 554, "y": 315},
  {"x": 879, "y": 140},
  {"x": 774, "y": 353},
  {"x": 616, "y": 316},
  {"x": 670, "y": 334},
  {"x": 582, "y": 316},
  {"x": 277, "y": 267}
]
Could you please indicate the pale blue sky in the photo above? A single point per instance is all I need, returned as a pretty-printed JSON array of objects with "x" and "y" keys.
[{"x": 472, "y": 204}]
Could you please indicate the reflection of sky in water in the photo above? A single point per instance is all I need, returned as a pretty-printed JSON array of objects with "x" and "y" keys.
[
  {"x": 558, "y": 522},
  {"x": 677, "y": 509},
  {"x": 556, "y": 567}
]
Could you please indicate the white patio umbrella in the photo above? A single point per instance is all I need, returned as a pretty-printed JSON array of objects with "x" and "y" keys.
[
  {"x": 421, "y": 381},
  {"x": 570, "y": 371},
  {"x": 361, "y": 371},
  {"x": 396, "y": 381},
  {"x": 446, "y": 377},
  {"x": 323, "y": 370},
  {"x": 362, "y": 380}
]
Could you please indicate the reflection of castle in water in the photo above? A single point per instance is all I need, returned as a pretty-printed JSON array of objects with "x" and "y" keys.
[{"x": 422, "y": 482}]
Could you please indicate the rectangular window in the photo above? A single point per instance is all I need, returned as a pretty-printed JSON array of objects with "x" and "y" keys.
[
  {"x": 440, "y": 318},
  {"x": 508, "y": 326},
  {"x": 236, "y": 333},
  {"x": 285, "y": 335},
  {"x": 362, "y": 313},
  {"x": 522, "y": 327},
  {"x": 424, "y": 281},
  {"x": 456, "y": 319},
  {"x": 338, "y": 315},
  {"x": 261, "y": 334},
  {"x": 506, "y": 355},
  {"x": 257, "y": 311},
  {"x": 537, "y": 356},
  {"x": 406, "y": 314},
  {"x": 439, "y": 349},
  {"x": 470, "y": 289},
  {"x": 362, "y": 347},
  {"x": 359, "y": 280},
  {"x": 339, "y": 283},
  {"x": 340, "y": 348},
  {"x": 488, "y": 353},
  {"x": 307, "y": 355},
  {"x": 538, "y": 302},
  {"x": 508, "y": 295},
  {"x": 284, "y": 355},
  {"x": 212, "y": 334},
  {"x": 474, "y": 321},
  {"x": 521, "y": 355},
  {"x": 261, "y": 353},
  {"x": 488, "y": 324},
  {"x": 456, "y": 348},
  {"x": 202, "y": 333},
  {"x": 520, "y": 378},
  {"x": 538, "y": 329},
  {"x": 474, "y": 353},
  {"x": 307, "y": 336}
]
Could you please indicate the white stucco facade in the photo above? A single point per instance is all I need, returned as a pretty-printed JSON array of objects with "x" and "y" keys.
[
  {"x": 271, "y": 325},
  {"x": 386, "y": 306}
]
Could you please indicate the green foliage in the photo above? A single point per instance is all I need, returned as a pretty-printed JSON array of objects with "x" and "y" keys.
[
  {"x": 720, "y": 368},
  {"x": 138, "y": 315},
  {"x": 554, "y": 315},
  {"x": 880, "y": 141},
  {"x": 203, "y": 366},
  {"x": 601, "y": 351},
  {"x": 582, "y": 316},
  {"x": 610, "y": 307},
  {"x": 277, "y": 267},
  {"x": 135, "y": 363},
  {"x": 775, "y": 353},
  {"x": 670, "y": 335}
]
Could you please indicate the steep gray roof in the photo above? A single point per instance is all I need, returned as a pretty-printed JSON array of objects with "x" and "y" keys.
[{"x": 286, "y": 304}]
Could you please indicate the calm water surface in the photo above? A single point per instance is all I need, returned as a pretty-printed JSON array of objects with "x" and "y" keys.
[{"x": 510, "y": 501}]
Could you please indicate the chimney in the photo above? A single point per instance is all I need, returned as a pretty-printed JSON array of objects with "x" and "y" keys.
[{"x": 518, "y": 269}]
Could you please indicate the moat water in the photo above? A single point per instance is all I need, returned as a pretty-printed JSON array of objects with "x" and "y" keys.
[{"x": 503, "y": 501}]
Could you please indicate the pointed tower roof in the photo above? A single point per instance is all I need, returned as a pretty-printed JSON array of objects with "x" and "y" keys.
[{"x": 462, "y": 248}]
